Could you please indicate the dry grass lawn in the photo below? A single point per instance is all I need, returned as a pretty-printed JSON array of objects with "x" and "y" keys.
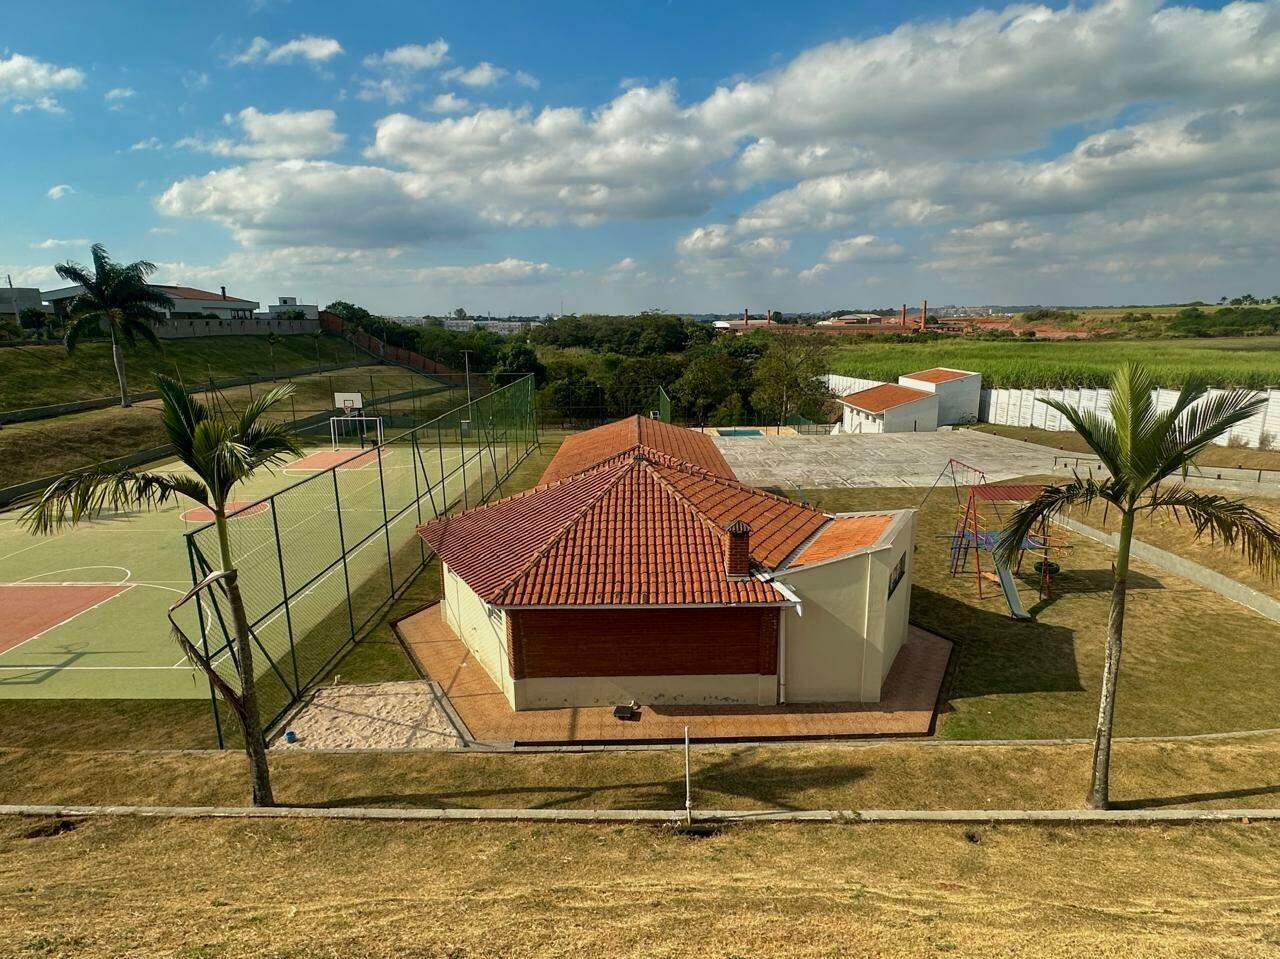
[
  {"x": 1215, "y": 773},
  {"x": 339, "y": 889}
]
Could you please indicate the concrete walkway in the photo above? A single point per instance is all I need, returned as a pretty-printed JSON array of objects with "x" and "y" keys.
[{"x": 892, "y": 459}]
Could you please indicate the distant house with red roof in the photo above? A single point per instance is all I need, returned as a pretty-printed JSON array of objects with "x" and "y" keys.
[
  {"x": 197, "y": 312},
  {"x": 642, "y": 569},
  {"x": 919, "y": 402}
]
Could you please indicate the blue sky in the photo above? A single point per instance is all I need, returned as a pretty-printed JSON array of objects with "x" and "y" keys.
[{"x": 510, "y": 157}]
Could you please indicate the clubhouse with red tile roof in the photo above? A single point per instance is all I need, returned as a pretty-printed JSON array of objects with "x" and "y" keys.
[{"x": 642, "y": 570}]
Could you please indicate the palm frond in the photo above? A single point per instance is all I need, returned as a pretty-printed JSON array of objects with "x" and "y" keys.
[
  {"x": 1201, "y": 424},
  {"x": 85, "y": 324},
  {"x": 1234, "y": 523},
  {"x": 1051, "y": 501},
  {"x": 180, "y": 413},
  {"x": 73, "y": 272},
  {"x": 87, "y": 493},
  {"x": 261, "y": 405},
  {"x": 1099, "y": 433}
]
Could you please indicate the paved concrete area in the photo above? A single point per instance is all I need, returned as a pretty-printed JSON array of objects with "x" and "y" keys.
[
  {"x": 906, "y": 707},
  {"x": 892, "y": 459}
]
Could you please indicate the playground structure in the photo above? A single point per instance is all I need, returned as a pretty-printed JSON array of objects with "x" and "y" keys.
[{"x": 979, "y": 526}]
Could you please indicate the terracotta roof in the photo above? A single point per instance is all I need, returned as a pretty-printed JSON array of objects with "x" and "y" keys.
[
  {"x": 1007, "y": 492},
  {"x": 639, "y": 529},
  {"x": 583, "y": 450},
  {"x": 191, "y": 293},
  {"x": 886, "y": 396},
  {"x": 843, "y": 535},
  {"x": 938, "y": 375}
]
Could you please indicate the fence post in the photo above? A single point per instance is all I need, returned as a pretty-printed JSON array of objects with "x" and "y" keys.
[
  {"x": 342, "y": 545},
  {"x": 284, "y": 597},
  {"x": 417, "y": 493},
  {"x": 204, "y": 641},
  {"x": 386, "y": 532}
]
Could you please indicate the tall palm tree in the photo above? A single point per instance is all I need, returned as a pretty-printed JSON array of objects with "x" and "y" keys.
[
  {"x": 1143, "y": 450},
  {"x": 220, "y": 448},
  {"x": 116, "y": 296}
]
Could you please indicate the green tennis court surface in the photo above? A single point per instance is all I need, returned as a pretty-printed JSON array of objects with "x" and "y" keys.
[{"x": 82, "y": 612}]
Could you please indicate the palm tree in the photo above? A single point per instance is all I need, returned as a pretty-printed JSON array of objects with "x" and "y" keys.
[
  {"x": 220, "y": 448},
  {"x": 116, "y": 295},
  {"x": 1143, "y": 448},
  {"x": 272, "y": 342}
]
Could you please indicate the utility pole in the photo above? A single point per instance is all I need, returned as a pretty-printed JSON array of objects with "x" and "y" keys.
[{"x": 466, "y": 359}]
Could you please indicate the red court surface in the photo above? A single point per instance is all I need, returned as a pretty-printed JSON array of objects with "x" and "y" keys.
[
  {"x": 30, "y": 609},
  {"x": 343, "y": 459},
  {"x": 202, "y": 514}
]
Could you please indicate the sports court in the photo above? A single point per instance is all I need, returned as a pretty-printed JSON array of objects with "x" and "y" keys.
[{"x": 83, "y": 610}]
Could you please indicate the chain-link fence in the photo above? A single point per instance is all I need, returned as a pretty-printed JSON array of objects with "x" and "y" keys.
[{"x": 319, "y": 560}]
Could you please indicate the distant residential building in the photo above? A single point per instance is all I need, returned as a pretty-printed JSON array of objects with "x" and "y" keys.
[
  {"x": 290, "y": 304},
  {"x": 15, "y": 299},
  {"x": 499, "y": 327},
  {"x": 198, "y": 312}
]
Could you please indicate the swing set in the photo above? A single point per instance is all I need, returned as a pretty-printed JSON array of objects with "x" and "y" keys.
[{"x": 979, "y": 525}]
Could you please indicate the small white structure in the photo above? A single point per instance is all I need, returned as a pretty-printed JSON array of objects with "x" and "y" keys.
[
  {"x": 890, "y": 408},
  {"x": 290, "y": 304},
  {"x": 959, "y": 392}
]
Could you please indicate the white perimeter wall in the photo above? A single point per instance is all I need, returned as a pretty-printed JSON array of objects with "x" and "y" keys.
[{"x": 1019, "y": 407}]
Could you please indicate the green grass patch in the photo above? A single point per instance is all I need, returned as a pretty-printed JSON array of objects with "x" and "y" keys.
[
  {"x": 46, "y": 375},
  {"x": 1251, "y": 361}
]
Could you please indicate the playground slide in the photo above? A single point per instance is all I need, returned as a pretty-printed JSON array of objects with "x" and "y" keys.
[{"x": 1011, "y": 593}]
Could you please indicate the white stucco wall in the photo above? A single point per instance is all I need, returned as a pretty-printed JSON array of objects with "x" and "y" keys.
[
  {"x": 482, "y": 629},
  {"x": 842, "y": 644},
  {"x": 859, "y": 421},
  {"x": 919, "y": 416},
  {"x": 958, "y": 399}
]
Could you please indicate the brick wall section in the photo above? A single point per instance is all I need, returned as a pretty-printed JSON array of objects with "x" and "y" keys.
[
  {"x": 642, "y": 642},
  {"x": 738, "y": 560}
]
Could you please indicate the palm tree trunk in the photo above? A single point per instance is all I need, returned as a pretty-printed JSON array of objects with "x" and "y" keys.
[
  {"x": 117, "y": 357},
  {"x": 254, "y": 745},
  {"x": 1100, "y": 785}
]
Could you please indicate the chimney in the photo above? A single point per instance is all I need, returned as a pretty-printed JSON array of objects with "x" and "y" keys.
[
  {"x": 904, "y": 315},
  {"x": 738, "y": 560},
  {"x": 924, "y": 314},
  {"x": 224, "y": 292}
]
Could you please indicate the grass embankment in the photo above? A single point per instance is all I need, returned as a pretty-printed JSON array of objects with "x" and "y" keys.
[
  {"x": 1069, "y": 441},
  {"x": 1247, "y": 361},
  {"x": 39, "y": 448},
  {"x": 45, "y": 375},
  {"x": 1223, "y": 774},
  {"x": 290, "y": 890},
  {"x": 1194, "y": 662}
]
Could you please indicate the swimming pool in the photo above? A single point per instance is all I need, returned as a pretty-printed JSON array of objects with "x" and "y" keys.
[{"x": 740, "y": 432}]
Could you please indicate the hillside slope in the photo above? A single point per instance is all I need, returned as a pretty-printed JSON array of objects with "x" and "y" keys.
[{"x": 45, "y": 375}]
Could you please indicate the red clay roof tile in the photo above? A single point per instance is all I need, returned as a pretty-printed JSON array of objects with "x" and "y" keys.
[
  {"x": 843, "y": 535},
  {"x": 886, "y": 396},
  {"x": 641, "y": 528},
  {"x": 938, "y": 375},
  {"x": 584, "y": 450}
]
